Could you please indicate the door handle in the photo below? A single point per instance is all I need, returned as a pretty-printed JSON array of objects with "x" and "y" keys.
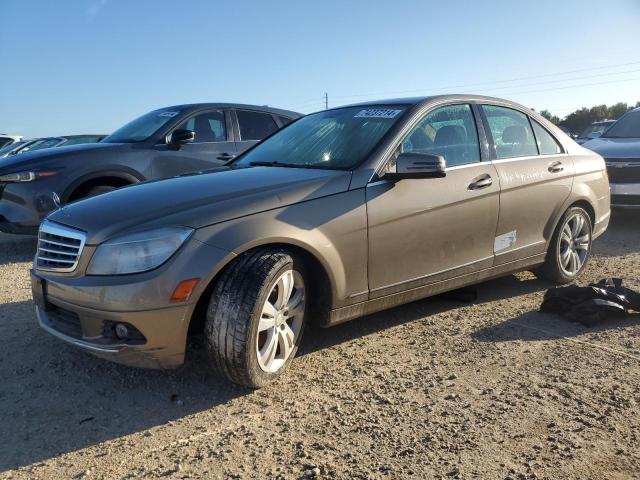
[
  {"x": 556, "y": 167},
  {"x": 226, "y": 157},
  {"x": 483, "y": 181}
]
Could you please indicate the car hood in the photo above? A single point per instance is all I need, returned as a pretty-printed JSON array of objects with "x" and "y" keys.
[
  {"x": 615, "y": 147},
  {"x": 24, "y": 161},
  {"x": 198, "y": 200}
]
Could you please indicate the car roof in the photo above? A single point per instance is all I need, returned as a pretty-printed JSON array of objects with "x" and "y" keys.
[{"x": 263, "y": 108}]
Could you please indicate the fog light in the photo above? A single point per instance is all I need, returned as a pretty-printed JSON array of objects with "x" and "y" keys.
[{"x": 122, "y": 332}]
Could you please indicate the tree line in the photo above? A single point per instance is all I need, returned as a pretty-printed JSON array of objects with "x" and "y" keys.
[{"x": 577, "y": 121}]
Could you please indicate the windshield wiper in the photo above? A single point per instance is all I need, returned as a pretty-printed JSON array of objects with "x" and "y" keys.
[
  {"x": 290, "y": 165},
  {"x": 271, "y": 164}
]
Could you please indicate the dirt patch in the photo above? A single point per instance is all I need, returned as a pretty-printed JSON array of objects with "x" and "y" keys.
[{"x": 434, "y": 389}]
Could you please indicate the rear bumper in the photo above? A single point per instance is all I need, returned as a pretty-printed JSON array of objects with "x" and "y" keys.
[{"x": 625, "y": 195}]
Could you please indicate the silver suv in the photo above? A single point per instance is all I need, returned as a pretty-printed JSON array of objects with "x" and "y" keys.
[{"x": 342, "y": 213}]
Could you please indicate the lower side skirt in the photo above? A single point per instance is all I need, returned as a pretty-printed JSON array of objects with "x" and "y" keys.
[{"x": 350, "y": 312}]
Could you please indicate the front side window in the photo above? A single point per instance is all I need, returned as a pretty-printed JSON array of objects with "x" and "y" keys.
[
  {"x": 337, "y": 139},
  {"x": 142, "y": 128},
  {"x": 547, "y": 144},
  {"x": 627, "y": 127},
  {"x": 255, "y": 125},
  {"x": 447, "y": 131},
  {"x": 208, "y": 127},
  {"x": 81, "y": 140},
  {"x": 511, "y": 132}
]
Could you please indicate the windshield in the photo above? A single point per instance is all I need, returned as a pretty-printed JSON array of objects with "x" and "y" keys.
[
  {"x": 334, "y": 139},
  {"x": 627, "y": 127},
  {"x": 142, "y": 128},
  {"x": 596, "y": 128}
]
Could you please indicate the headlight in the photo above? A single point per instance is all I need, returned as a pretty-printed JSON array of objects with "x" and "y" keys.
[
  {"x": 137, "y": 252},
  {"x": 25, "y": 176}
]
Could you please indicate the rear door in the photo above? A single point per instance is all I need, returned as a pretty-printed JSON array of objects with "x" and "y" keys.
[
  {"x": 253, "y": 127},
  {"x": 212, "y": 146},
  {"x": 536, "y": 177},
  {"x": 423, "y": 231}
]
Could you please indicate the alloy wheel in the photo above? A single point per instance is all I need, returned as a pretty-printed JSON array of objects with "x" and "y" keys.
[
  {"x": 575, "y": 243},
  {"x": 280, "y": 321}
]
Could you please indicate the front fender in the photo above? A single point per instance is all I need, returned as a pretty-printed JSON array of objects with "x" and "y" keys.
[{"x": 333, "y": 229}]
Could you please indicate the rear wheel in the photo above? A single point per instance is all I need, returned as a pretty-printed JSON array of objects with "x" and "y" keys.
[
  {"x": 570, "y": 247},
  {"x": 256, "y": 316}
]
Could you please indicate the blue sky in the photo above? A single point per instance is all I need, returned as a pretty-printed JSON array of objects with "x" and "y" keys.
[{"x": 89, "y": 66}]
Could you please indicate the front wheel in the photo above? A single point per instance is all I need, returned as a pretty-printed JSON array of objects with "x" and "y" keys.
[
  {"x": 256, "y": 316},
  {"x": 570, "y": 247}
]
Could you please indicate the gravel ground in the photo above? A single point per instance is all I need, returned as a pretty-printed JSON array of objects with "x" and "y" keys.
[{"x": 434, "y": 389}]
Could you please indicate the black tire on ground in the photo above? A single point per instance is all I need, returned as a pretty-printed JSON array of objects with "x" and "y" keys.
[
  {"x": 97, "y": 190},
  {"x": 551, "y": 269},
  {"x": 235, "y": 307}
]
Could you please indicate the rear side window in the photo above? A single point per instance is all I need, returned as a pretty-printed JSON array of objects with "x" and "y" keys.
[
  {"x": 546, "y": 143},
  {"x": 511, "y": 132},
  {"x": 208, "y": 127},
  {"x": 255, "y": 125},
  {"x": 447, "y": 131}
]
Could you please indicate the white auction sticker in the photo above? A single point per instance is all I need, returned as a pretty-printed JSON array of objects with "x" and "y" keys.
[{"x": 377, "y": 113}]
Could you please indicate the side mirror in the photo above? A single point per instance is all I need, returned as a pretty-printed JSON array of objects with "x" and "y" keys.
[
  {"x": 179, "y": 137},
  {"x": 418, "y": 165}
]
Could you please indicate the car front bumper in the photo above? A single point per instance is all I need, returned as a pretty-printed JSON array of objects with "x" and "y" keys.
[
  {"x": 84, "y": 310},
  {"x": 625, "y": 195},
  {"x": 24, "y": 205}
]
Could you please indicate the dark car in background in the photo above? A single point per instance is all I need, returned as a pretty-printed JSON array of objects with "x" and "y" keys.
[
  {"x": 620, "y": 147},
  {"x": 33, "y": 144},
  {"x": 163, "y": 143}
]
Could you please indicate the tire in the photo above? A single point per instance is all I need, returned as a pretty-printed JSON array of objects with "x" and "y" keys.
[
  {"x": 569, "y": 250},
  {"x": 251, "y": 343},
  {"x": 97, "y": 190}
]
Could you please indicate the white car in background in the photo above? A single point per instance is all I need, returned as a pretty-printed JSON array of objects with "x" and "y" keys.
[{"x": 6, "y": 139}]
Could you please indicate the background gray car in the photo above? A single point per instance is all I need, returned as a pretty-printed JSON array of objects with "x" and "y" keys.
[
  {"x": 342, "y": 213},
  {"x": 163, "y": 143},
  {"x": 620, "y": 147}
]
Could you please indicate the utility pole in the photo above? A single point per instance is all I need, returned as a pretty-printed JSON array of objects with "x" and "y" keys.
[{"x": 326, "y": 101}]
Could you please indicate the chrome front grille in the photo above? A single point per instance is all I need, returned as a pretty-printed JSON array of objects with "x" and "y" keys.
[{"x": 59, "y": 247}]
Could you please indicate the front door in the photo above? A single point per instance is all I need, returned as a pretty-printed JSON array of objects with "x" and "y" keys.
[
  {"x": 426, "y": 230},
  {"x": 536, "y": 177},
  {"x": 211, "y": 147}
]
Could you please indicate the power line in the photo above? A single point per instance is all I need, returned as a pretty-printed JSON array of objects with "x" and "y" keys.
[{"x": 491, "y": 82}]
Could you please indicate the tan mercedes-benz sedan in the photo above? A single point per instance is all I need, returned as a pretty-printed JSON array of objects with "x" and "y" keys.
[{"x": 342, "y": 213}]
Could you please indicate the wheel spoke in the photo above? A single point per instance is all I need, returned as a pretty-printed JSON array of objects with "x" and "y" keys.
[
  {"x": 296, "y": 304},
  {"x": 575, "y": 261},
  {"x": 268, "y": 352},
  {"x": 268, "y": 317},
  {"x": 286, "y": 340},
  {"x": 578, "y": 223},
  {"x": 582, "y": 242},
  {"x": 565, "y": 257},
  {"x": 566, "y": 233},
  {"x": 285, "y": 287}
]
